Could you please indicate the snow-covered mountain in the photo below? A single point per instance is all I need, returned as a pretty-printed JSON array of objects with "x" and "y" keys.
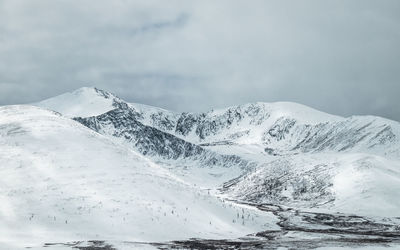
[
  {"x": 280, "y": 128},
  {"x": 129, "y": 124},
  {"x": 283, "y": 128},
  {"x": 63, "y": 182},
  {"x": 284, "y": 154},
  {"x": 267, "y": 135},
  {"x": 119, "y": 119}
]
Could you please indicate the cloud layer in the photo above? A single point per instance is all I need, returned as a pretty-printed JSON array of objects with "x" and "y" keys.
[{"x": 338, "y": 56}]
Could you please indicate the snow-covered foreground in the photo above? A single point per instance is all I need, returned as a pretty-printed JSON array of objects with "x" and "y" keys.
[{"x": 63, "y": 182}]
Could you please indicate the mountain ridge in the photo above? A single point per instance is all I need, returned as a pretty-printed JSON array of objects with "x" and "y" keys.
[{"x": 266, "y": 124}]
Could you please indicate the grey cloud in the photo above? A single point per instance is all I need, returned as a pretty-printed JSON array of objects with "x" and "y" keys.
[{"x": 338, "y": 56}]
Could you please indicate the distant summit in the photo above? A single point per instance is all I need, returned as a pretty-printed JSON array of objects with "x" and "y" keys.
[{"x": 85, "y": 101}]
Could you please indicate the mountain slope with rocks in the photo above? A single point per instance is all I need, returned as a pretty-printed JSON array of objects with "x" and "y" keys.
[
  {"x": 281, "y": 157},
  {"x": 251, "y": 138},
  {"x": 64, "y": 182}
]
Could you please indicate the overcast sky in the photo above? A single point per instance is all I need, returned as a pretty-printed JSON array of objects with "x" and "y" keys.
[{"x": 341, "y": 56}]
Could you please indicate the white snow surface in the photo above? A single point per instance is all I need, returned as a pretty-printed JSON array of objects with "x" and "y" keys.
[
  {"x": 359, "y": 184},
  {"x": 83, "y": 102},
  {"x": 63, "y": 182},
  {"x": 306, "y": 159}
]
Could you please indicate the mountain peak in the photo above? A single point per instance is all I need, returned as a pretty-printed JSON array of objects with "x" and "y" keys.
[
  {"x": 85, "y": 101},
  {"x": 90, "y": 91}
]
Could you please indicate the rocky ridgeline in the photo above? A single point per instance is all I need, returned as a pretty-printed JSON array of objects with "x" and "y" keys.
[
  {"x": 123, "y": 123},
  {"x": 356, "y": 134},
  {"x": 278, "y": 130},
  {"x": 283, "y": 134},
  {"x": 203, "y": 126}
]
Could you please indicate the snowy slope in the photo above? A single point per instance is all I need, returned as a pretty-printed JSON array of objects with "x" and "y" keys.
[
  {"x": 86, "y": 101},
  {"x": 64, "y": 182},
  {"x": 349, "y": 183},
  {"x": 137, "y": 126},
  {"x": 304, "y": 157}
]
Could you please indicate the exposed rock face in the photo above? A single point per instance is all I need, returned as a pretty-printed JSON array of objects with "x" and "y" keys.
[
  {"x": 285, "y": 181},
  {"x": 282, "y": 132},
  {"x": 122, "y": 123},
  {"x": 354, "y": 134},
  {"x": 206, "y": 125}
]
